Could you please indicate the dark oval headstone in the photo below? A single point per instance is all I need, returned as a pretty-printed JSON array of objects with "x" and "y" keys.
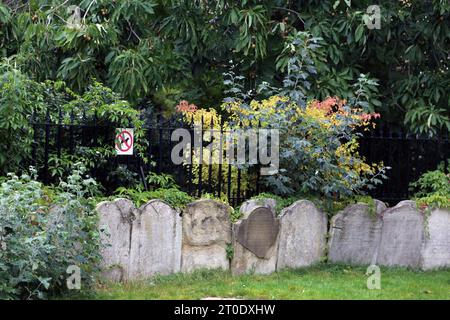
[{"x": 259, "y": 231}]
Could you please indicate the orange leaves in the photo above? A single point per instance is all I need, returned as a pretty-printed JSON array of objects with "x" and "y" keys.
[
  {"x": 184, "y": 106},
  {"x": 332, "y": 106},
  {"x": 329, "y": 105}
]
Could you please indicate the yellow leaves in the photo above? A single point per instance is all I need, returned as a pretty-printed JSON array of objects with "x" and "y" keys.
[
  {"x": 261, "y": 111},
  {"x": 205, "y": 115},
  {"x": 352, "y": 161}
]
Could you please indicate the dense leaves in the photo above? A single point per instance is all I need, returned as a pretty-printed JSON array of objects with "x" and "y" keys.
[
  {"x": 153, "y": 52},
  {"x": 433, "y": 188},
  {"x": 25, "y": 102},
  {"x": 318, "y": 149},
  {"x": 43, "y": 232}
]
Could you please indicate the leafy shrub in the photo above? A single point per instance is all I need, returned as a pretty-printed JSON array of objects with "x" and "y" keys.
[
  {"x": 318, "y": 139},
  {"x": 433, "y": 188},
  {"x": 328, "y": 205},
  {"x": 43, "y": 232},
  {"x": 282, "y": 202},
  {"x": 173, "y": 196},
  {"x": 23, "y": 100},
  {"x": 18, "y": 93}
]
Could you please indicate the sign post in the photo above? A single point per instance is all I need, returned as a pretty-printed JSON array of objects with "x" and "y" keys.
[{"x": 124, "y": 141}]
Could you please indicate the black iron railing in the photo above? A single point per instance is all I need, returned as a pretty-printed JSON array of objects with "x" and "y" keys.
[{"x": 408, "y": 155}]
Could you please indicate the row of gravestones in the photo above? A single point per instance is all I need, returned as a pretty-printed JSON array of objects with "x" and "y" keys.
[{"x": 157, "y": 239}]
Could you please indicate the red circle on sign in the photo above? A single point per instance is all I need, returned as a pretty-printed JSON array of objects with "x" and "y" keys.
[{"x": 124, "y": 141}]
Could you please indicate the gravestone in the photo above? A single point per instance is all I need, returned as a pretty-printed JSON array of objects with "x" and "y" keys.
[
  {"x": 355, "y": 235},
  {"x": 248, "y": 206},
  {"x": 401, "y": 236},
  {"x": 303, "y": 231},
  {"x": 436, "y": 246},
  {"x": 255, "y": 243},
  {"x": 206, "y": 234},
  {"x": 115, "y": 232},
  {"x": 155, "y": 241}
]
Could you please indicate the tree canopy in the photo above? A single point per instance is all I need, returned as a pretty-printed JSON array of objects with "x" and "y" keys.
[{"x": 157, "y": 52}]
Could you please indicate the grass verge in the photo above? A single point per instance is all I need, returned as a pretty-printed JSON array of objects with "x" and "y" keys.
[{"x": 318, "y": 282}]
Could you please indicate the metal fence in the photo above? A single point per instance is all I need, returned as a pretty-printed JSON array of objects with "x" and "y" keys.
[
  {"x": 57, "y": 139},
  {"x": 408, "y": 155}
]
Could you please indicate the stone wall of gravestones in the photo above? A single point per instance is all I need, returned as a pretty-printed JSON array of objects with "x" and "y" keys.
[
  {"x": 157, "y": 239},
  {"x": 397, "y": 236}
]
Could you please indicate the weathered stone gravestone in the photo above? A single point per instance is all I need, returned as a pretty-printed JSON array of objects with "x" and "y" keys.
[
  {"x": 402, "y": 236},
  {"x": 436, "y": 246},
  {"x": 355, "y": 235},
  {"x": 115, "y": 232},
  {"x": 248, "y": 206},
  {"x": 303, "y": 232},
  {"x": 206, "y": 234},
  {"x": 255, "y": 243},
  {"x": 155, "y": 241},
  {"x": 399, "y": 236}
]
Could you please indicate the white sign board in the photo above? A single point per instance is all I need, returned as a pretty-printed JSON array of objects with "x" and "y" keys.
[{"x": 124, "y": 141}]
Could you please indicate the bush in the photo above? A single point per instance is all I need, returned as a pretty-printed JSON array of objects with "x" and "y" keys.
[
  {"x": 24, "y": 101},
  {"x": 18, "y": 94},
  {"x": 43, "y": 232},
  {"x": 433, "y": 189},
  {"x": 318, "y": 139},
  {"x": 173, "y": 196}
]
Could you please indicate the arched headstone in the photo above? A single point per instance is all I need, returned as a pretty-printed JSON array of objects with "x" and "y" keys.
[
  {"x": 155, "y": 241},
  {"x": 255, "y": 242},
  {"x": 401, "y": 236},
  {"x": 303, "y": 235},
  {"x": 248, "y": 206},
  {"x": 115, "y": 233},
  {"x": 436, "y": 246},
  {"x": 355, "y": 235}
]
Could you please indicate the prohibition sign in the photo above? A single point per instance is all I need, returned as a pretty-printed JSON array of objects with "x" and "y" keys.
[{"x": 124, "y": 141}]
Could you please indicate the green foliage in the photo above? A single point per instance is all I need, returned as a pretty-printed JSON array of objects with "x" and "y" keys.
[
  {"x": 162, "y": 180},
  {"x": 24, "y": 100},
  {"x": 437, "y": 181},
  {"x": 433, "y": 189},
  {"x": 18, "y": 94},
  {"x": 138, "y": 47},
  {"x": 223, "y": 197},
  {"x": 282, "y": 202},
  {"x": 427, "y": 119},
  {"x": 328, "y": 205},
  {"x": 230, "y": 251},
  {"x": 173, "y": 196},
  {"x": 318, "y": 150},
  {"x": 332, "y": 207},
  {"x": 40, "y": 236},
  {"x": 128, "y": 72}
]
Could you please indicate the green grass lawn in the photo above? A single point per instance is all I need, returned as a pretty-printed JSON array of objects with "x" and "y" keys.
[{"x": 318, "y": 282}]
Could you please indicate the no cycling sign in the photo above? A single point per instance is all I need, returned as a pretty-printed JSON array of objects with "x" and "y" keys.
[{"x": 124, "y": 141}]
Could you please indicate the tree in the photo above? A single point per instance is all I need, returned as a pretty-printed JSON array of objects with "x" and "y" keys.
[{"x": 157, "y": 52}]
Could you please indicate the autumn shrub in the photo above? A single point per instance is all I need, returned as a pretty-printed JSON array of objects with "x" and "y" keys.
[{"x": 318, "y": 139}]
